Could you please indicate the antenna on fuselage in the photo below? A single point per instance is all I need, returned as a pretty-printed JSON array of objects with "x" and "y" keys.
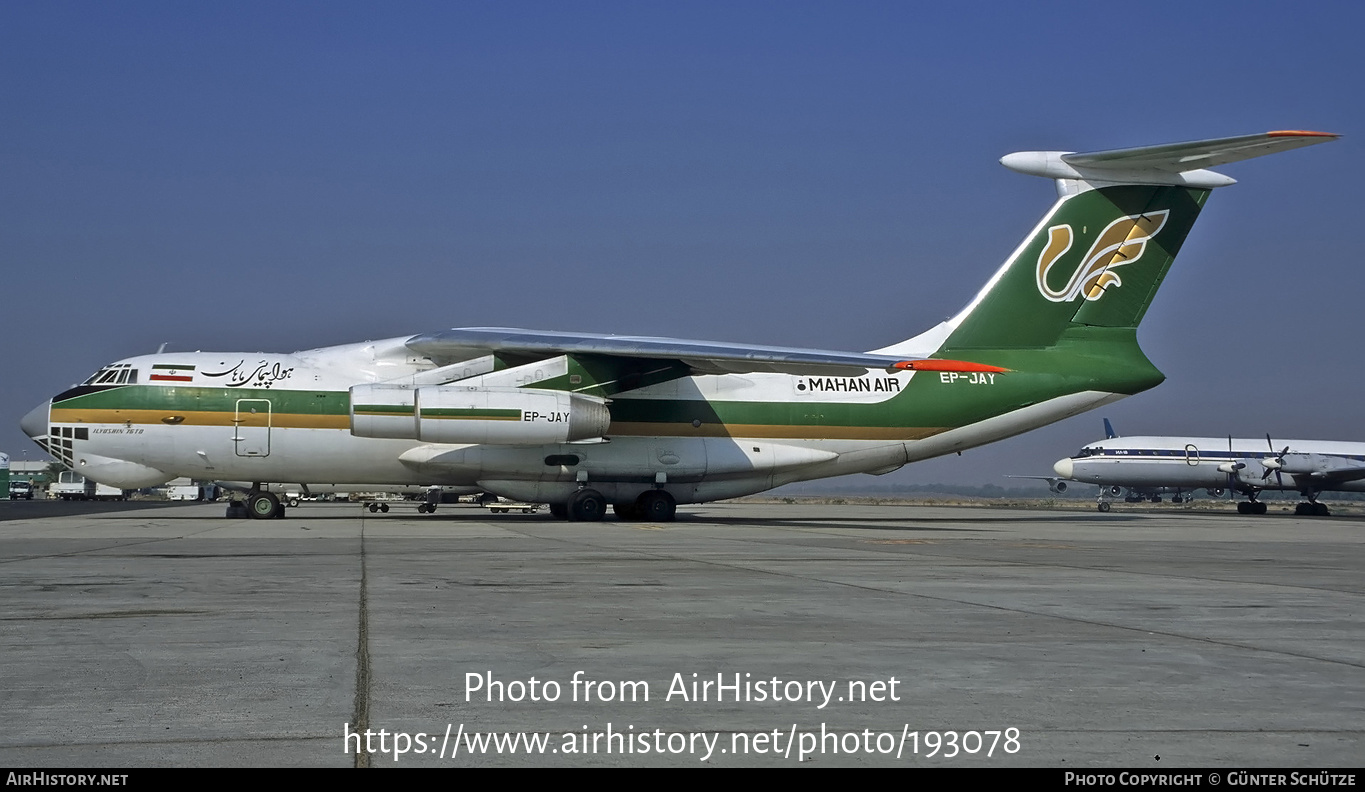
[{"x": 162, "y": 348}]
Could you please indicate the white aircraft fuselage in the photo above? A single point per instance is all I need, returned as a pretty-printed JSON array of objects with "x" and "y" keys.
[
  {"x": 583, "y": 421},
  {"x": 1182, "y": 464}
]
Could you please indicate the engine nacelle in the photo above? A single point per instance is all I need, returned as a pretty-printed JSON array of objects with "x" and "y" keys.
[
  {"x": 470, "y": 415},
  {"x": 1058, "y": 487}
]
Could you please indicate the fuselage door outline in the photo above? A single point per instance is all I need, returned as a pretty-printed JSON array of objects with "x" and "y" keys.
[{"x": 251, "y": 428}]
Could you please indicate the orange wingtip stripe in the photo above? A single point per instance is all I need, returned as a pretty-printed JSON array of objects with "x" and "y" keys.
[
  {"x": 1300, "y": 133},
  {"x": 946, "y": 365}
]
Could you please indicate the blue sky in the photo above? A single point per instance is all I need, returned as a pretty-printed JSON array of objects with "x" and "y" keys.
[{"x": 278, "y": 176}]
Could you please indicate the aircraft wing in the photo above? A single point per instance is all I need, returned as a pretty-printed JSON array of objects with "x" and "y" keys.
[
  {"x": 1317, "y": 470},
  {"x": 1339, "y": 474},
  {"x": 703, "y": 357},
  {"x": 1181, "y": 157}
]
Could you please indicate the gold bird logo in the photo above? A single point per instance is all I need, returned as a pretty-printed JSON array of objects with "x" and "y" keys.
[{"x": 1121, "y": 242}]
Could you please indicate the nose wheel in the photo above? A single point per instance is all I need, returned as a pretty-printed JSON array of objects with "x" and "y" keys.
[{"x": 264, "y": 506}]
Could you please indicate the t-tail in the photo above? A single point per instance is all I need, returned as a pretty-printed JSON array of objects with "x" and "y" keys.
[{"x": 1083, "y": 279}]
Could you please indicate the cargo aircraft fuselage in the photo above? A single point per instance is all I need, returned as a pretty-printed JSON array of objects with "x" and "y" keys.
[{"x": 584, "y": 421}]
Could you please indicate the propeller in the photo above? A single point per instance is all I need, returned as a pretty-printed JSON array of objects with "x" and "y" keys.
[
  {"x": 1274, "y": 462},
  {"x": 1230, "y": 467}
]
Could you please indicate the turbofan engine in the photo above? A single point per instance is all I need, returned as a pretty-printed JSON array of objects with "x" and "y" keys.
[{"x": 469, "y": 415}]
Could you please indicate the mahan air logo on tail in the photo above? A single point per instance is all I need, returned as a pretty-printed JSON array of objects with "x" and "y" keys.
[{"x": 1121, "y": 242}]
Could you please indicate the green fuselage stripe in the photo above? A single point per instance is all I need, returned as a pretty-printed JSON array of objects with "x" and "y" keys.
[
  {"x": 384, "y": 409},
  {"x": 470, "y": 414}
]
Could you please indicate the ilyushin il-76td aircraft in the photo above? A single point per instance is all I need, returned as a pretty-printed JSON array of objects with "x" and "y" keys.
[{"x": 643, "y": 424}]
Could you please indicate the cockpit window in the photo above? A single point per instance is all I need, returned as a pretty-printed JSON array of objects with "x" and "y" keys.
[{"x": 117, "y": 374}]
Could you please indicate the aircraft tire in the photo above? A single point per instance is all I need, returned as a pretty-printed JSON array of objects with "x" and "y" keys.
[
  {"x": 587, "y": 505},
  {"x": 236, "y": 510},
  {"x": 1258, "y": 507},
  {"x": 293, "y": 502},
  {"x": 384, "y": 507},
  {"x": 560, "y": 511},
  {"x": 262, "y": 506},
  {"x": 1244, "y": 507},
  {"x": 1320, "y": 510},
  {"x": 1104, "y": 507},
  {"x": 657, "y": 506}
]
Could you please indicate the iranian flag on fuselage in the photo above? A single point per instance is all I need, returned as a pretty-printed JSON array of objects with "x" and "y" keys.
[{"x": 170, "y": 372}]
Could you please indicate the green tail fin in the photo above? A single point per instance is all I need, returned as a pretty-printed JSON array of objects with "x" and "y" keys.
[{"x": 1096, "y": 260}]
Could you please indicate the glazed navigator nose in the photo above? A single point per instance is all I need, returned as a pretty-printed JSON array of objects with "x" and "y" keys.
[{"x": 35, "y": 423}]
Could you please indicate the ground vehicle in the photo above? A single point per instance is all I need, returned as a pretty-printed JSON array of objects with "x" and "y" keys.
[
  {"x": 20, "y": 490},
  {"x": 501, "y": 506},
  {"x": 71, "y": 485},
  {"x": 184, "y": 492}
]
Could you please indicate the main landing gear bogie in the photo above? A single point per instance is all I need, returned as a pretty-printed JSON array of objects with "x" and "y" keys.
[
  {"x": 1251, "y": 507},
  {"x": 656, "y": 506},
  {"x": 589, "y": 505}
]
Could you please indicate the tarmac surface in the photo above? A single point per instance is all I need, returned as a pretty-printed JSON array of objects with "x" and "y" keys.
[{"x": 140, "y": 636}]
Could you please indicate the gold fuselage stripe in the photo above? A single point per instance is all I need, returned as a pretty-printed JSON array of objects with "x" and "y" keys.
[{"x": 619, "y": 429}]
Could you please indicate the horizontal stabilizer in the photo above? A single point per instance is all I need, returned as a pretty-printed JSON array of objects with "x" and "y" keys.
[
  {"x": 1171, "y": 163},
  {"x": 707, "y": 357}
]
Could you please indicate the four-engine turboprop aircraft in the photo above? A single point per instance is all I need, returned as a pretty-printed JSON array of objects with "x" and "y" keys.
[
  {"x": 1309, "y": 467},
  {"x": 1136, "y": 491},
  {"x": 581, "y": 421}
]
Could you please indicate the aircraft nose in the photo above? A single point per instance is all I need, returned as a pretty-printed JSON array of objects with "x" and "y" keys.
[
  {"x": 35, "y": 423},
  {"x": 1064, "y": 468}
]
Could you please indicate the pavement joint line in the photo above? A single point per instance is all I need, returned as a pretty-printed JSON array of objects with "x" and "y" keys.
[{"x": 361, "y": 713}]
